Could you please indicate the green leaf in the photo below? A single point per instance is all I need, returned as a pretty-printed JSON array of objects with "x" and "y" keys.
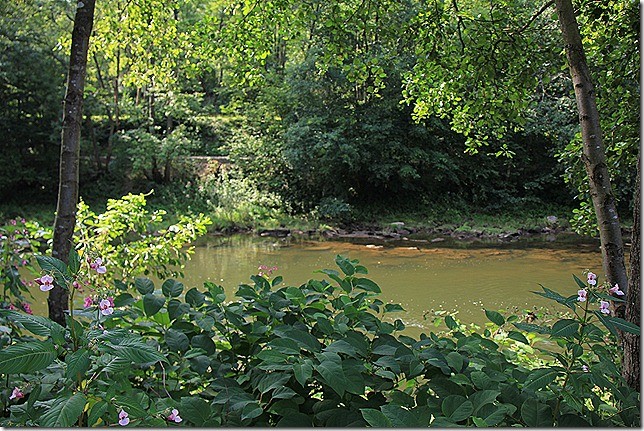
[
  {"x": 26, "y": 357},
  {"x": 303, "y": 371},
  {"x": 195, "y": 409},
  {"x": 144, "y": 285},
  {"x": 37, "y": 325},
  {"x": 251, "y": 410},
  {"x": 457, "y": 408},
  {"x": 401, "y": 417},
  {"x": 196, "y": 298},
  {"x": 495, "y": 317},
  {"x": 330, "y": 368},
  {"x": 96, "y": 412},
  {"x": 455, "y": 360},
  {"x": 172, "y": 288},
  {"x": 64, "y": 411},
  {"x": 390, "y": 308},
  {"x": 203, "y": 341},
  {"x": 623, "y": 325},
  {"x": 74, "y": 262},
  {"x": 536, "y": 414},
  {"x": 530, "y": 327},
  {"x": 177, "y": 340},
  {"x": 368, "y": 285},
  {"x": 481, "y": 398},
  {"x": 152, "y": 304},
  {"x": 137, "y": 352},
  {"x": 580, "y": 283},
  {"x": 55, "y": 266},
  {"x": 540, "y": 378},
  {"x": 564, "y": 328},
  {"x": 450, "y": 322},
  {"x": 306, "y": 340},
  {"x": 78, "y": 363},
  {"x": 551, "y": 294},
  {"x": 517, "y": 336},
  {"x": 376, "y": 418},
  {"x": 345, "y": 265}
]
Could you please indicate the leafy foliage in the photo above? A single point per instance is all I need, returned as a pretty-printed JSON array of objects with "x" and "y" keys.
[{"x": 325, "y": 353}]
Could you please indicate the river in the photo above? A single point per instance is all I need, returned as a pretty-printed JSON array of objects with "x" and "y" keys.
[{"x": 464, "y": 277}]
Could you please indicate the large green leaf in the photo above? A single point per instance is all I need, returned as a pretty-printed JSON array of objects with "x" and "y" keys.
[
  {"x": 195, "y": 410},
  {"x": 172, "y": 288},
  {"x": 56, "y": 267},
  {"x": 96, "y": 412},
  {"x": 457, "y": 408},
  {"x": 177, "y": 340},
  {"x": 495, "y": 317},
  {"x": 136, "y": 351},
  {"x": 303, "y": 371},
  {"x": 536, "y": 414},
  {"x": 64, "y": 411},
  {"x": 37, "y": 325},
  {"x": 345, "y": 265},
  {"x": 152, "y": 304},
  {"x": 540, "y": 378},
  {"x": 623, "y": 325},
  {"x": 306, "y": 340},
  {"x": 144, "y": 285},
  {"x": 564, "y": 328},
  {"x": 330, "y": 368},
  {"x": 368, "y": 285},
  {"x": 26, "y": 357},
  {"x": 376, "y": 418},
  {"x": 78, "y": 363}
]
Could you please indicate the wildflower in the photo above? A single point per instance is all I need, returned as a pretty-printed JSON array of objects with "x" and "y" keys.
[
  {"x": 123, "y": 418},
  {"x": 174, "y": 417},
  {"x": 105, "y": 307},
  {"x": 24, "y": 262},
  {"x": 88, "y": 302},
  {"x": 98, "y": 266},
  {"x": 46, "y": 282},
  {"x": 582, "y": 295},
  {"x": 616, "y": 290},
  {"x": 584, "y": 368},
  {"x": 592, "y": 279},
  {"x": 12, "y": 307},
  {"x": 603, "y": 307},
  {"x": 27, "y": 308},
  {"x": 16, "y": 394},
  {"x": 13, "y": 222}
]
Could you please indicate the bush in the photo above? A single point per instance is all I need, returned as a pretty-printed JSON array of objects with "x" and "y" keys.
[{"x": 325, "y": 353}]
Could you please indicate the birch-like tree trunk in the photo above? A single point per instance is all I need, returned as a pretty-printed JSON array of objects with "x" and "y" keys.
[
  {"x": 70, "y": 150},
  {"x": 594, "y": 152}
]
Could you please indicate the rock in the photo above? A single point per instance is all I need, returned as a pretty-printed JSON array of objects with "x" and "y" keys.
[
  {"x": 438, "y": 240},
  {"x": 373, "y": 246},
  {"x": 276, "y": 233},
  {"x": 397, "y": 223}
]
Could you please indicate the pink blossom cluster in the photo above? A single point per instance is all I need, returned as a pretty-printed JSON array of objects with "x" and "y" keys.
[
  {"x": 174, "y": 416},
  {"x": 16, "y": 394},
  {"x": 123, "y": 418},
  {"x": 97, "y": 265},
  {"x": 265, "y": 270}
]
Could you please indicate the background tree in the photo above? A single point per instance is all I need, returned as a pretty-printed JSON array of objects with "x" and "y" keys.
[{"x": 70, "y": 151}]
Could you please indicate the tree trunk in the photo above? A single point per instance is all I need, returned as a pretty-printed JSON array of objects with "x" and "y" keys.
[
  {"x": 631, "y": 342},
  {"x": 70, "y": 151},
  {"x": 594, "y": 153}
]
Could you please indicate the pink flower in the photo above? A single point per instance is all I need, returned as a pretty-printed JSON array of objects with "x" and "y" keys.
[
  {"x": 46, "y": 282},
  {"x": 16, "y": 394},
  {"x": 105, "y": 307},
  {"x": 12, "y": 307},
  {"x": 584, "y": 368},
  {"x": 123, "y": 418},
  {"x": 174, "y": 417},
  {"x": 27, "y": 308},
  {"x": 603, "y": 307},
  {"x": 88, "y": 302},
  {"x": 111, "y": 301},
  {"x": 98, "y": 266},
  {"x": 582, "y": 295},
  {"x": 615, "y": 290},
  {"x": 592, "y": 279}
]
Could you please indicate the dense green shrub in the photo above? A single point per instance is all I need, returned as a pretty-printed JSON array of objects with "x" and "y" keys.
[{"x": 325, "y": 353}]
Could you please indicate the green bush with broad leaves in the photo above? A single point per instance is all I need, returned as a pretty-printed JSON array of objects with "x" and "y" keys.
[
  {"x": 132, "y": 241},
  {"x": 326, "y": 353}
]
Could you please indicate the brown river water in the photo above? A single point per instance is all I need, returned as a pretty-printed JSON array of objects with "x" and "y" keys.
[{"x": 465, "y": 278}]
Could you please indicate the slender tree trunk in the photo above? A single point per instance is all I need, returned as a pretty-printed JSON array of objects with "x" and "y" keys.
[
  {"x": 594, "y": 153},
  {"x": 70, "y": 151},
  {"x": 631, "y": 342}
]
